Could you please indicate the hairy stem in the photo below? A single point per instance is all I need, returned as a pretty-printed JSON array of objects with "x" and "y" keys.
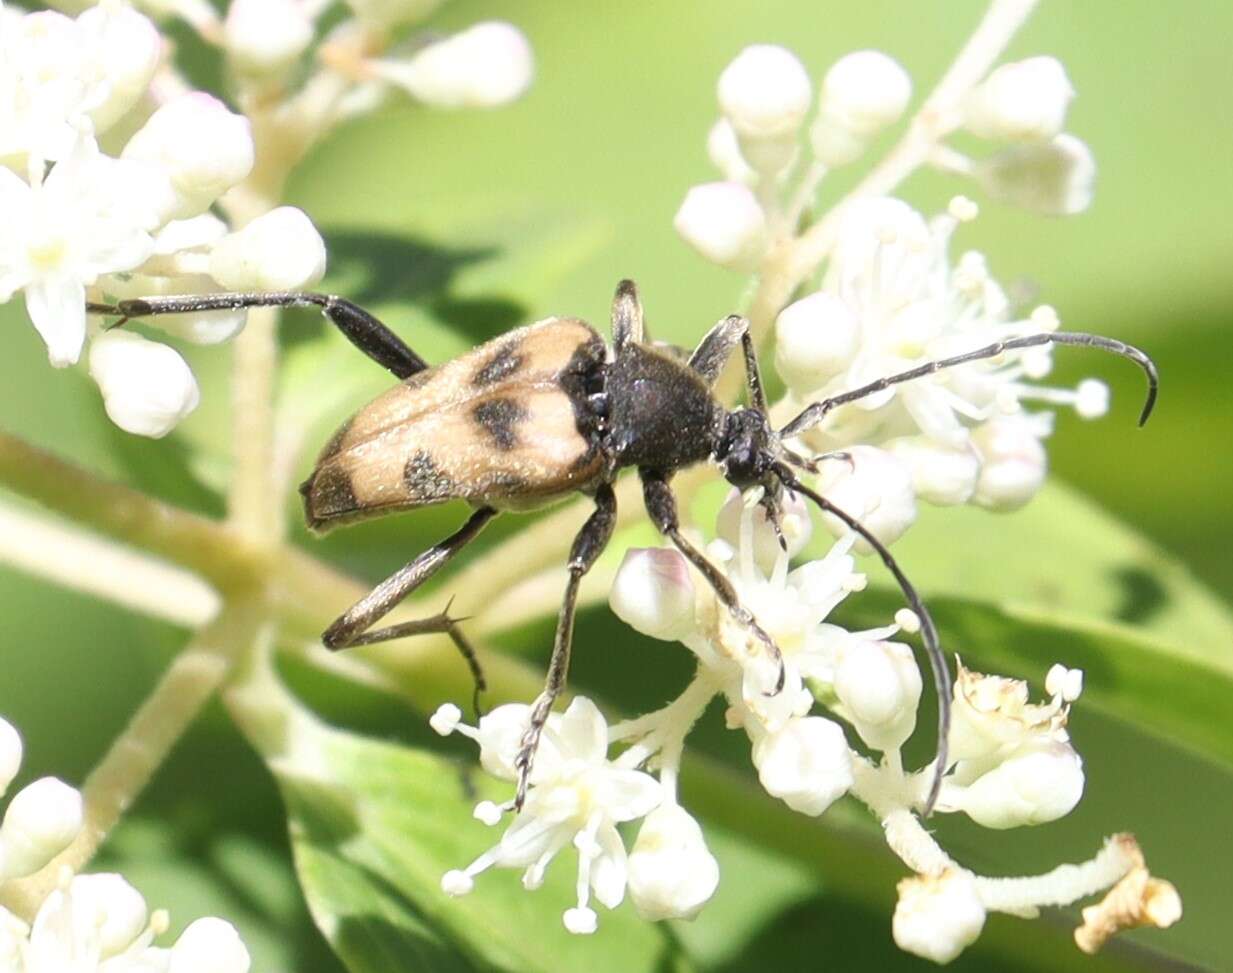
[
  {"x": 255, "y": 510},
  {"x": 135, "y": 755}
]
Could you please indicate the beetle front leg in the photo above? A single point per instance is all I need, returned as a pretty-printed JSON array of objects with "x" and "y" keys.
[
  {"x": 661, "y": 506},
  {"x": 359, "y": 327},
  {"x": 588, "y": 545}
]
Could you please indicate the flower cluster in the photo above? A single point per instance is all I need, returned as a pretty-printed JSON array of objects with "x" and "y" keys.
[
  {"x": 89, "y": 922},
  {"x": 890, "y": 296},
  {"x": 119, "y": 181},
  {"x": 848, "y": 703}
]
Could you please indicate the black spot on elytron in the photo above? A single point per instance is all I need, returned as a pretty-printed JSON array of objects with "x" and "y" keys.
[
  {"x": 328, "y": 493},
  {"x": 500, "y": 366},
  {"x": 499, "y": 418},
  {"x": 334, "y": 446},
  {"x": 424, "y": 479}
]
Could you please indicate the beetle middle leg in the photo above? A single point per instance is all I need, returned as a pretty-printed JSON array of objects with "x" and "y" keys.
[
  {"x": 588, "y": 545},
  {"x": 354, "y": 627},
  {"x": 661, "y": 506}
]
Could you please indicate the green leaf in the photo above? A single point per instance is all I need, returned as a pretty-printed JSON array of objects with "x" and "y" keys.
[{"x": 373, "y": 830}]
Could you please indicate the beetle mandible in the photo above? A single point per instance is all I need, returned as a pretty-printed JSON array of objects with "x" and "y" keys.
[{"x": 548, "y": 410}]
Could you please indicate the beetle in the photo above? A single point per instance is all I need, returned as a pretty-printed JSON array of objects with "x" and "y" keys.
[{"x": 549, "y": 410}]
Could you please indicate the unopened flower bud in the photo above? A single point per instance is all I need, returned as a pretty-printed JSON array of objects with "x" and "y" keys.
[
  {"x": 485, "y": 66},
  {"x": 209, "y": 945},
  {"x": 1024, "y": 101},
  {"x": 266, "y": 36},
  {"x": 724, "y": 151},
  {"x": 815, "y": 339},
  {"x": 278, "y": 251},
  {"x": 879, "y": 684},
  {"x": 806, "y": 764},
  {"x": 672, "y": 873},
  {"x": 1034, "y": 786},
  {"x": 654, "y": 593},
  {"x": 39, "y": 823},
  {"x": 1013, "y": 463},
  {"x": 10, "y": 754},
  {"x": 874, "y": 488},
  {"x": 128, "y": 47},
  {"x": 1054, "y": 178},
  {"x": 147, "y": 386},
  {"x": 865, "y": 91},
  {"x": 765, "y": 92},
  {"x": 109, "y": 904},
  {"x": 204, "y": 148},
  {"x": 937, "y": 917},
  {"x": 724, "y": 222},
  {"x": 941, "y": 474}
]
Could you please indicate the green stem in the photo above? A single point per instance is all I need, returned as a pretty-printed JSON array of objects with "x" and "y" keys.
[{"x": 135, "y": 755}]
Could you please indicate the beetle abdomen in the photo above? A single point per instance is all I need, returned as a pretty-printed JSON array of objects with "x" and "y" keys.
[{"x": 505, "y": 426}]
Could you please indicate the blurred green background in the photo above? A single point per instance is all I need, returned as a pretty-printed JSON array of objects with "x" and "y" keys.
[{"x": 455, "y": 226}]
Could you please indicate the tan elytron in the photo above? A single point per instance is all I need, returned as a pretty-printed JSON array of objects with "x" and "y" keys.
[{"x": 497, "y": 427}]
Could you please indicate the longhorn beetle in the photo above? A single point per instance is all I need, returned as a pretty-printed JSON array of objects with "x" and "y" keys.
[{"x": 548, "y": 410}]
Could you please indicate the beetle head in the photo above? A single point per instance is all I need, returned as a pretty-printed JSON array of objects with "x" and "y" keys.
[{"x": 748, "y": 449}]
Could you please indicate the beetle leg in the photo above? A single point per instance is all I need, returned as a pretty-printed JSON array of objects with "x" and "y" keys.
[
  {"x": 359, "y": 327},
  {"x": 716, "y": 347},
  {"x": 661, "y": 505},
  {"x": 353, "y": 626},
  {"x": 815, "y": 413},
  {"x": 628, "y": 326},
  {"x": 588, "y": 545}
]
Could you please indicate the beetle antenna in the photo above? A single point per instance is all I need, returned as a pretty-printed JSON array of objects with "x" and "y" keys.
[
  {"x": 816, "y": 412},
  {"x": 928, "y": 631}
]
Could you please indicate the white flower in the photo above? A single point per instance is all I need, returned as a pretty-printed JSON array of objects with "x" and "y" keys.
[
  {"x": 202, "y": 146},
  {"x": 765, "y": 93},
  {"x": 484, "y": 66},
  {"x": 724, "y": 151},
  {"x": 941, "y": 474},
  {"x": 100, "y": 924},
  {"x": 1012, "y": 462},
  {"x": 672, "y": 873},
  {"x": 126, "y": 48},
  {"x": 875, "y": 488},
  {"x": 815, "y": 339},
  {"x": 654, "y": 593},
  {"x": 742, "y": 520},
  {"x": 576, "y": 796},
  {"x": 937, "y": 917},
  {"x": 879, "y": 685},
  {"x": 1054, "y": 178},
  {"x": 147, "y": 386},
  {"x": 278, "y": 251},
  {"x": 1024, "y": 101},
  {"x": 992, "y": 717},
  {"x": 41, "y": 821},
  {"x": 1035, "y": 785},
  {"x": 864, "y": 92},
  {"x": 10, "y": 754},
  {"x": 891, "y": 269},
  {"x": 92, "y": 215},
  {"x": 806, "y": 764},
  {"x": 266, "y": 36},
  {"x": 724, "y": 222}
]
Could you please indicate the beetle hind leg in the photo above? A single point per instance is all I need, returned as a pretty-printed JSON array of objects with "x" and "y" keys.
[
  {"x": 588, "y": 545},
  {"x": 355, "y": 626}
]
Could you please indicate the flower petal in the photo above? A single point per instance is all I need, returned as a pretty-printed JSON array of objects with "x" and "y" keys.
[
  {"x": 627, "y": 794},
  {"x": 608, "y": 869},
  {"x": 57, "y": 306},
  {"x": 582, "y": 732}
]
